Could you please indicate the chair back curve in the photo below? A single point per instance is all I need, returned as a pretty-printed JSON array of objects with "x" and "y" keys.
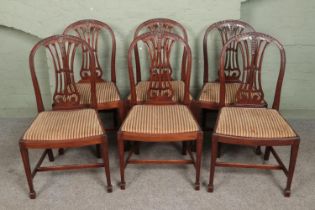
[
  {"x": 89, "y": 30},
  {"x": 252, "y": 47},
  {"x": 62, "y": 50},
  {"x": 159, "y": 45}
]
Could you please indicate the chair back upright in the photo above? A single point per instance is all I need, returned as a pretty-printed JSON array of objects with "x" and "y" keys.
[
  {"x": 159, "y": 46},
  {"x": 62, "y": 50},
  {"x": 89, "y": 30},
  {"x": 252, "y": 47}
]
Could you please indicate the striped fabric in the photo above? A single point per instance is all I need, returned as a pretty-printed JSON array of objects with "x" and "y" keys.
[
  {"x": 64, "y": 125},
  {"x": 253, "y": 122},
  {"x": 143, "y": 87},
  {"x": 211, "y": 92},
  {"x": 105, "y": 92},
  {"x": 155, "y": 119}
]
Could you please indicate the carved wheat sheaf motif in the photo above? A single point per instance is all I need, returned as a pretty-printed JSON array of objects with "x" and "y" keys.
[
  {"x": 159, "y": 48},
  {"x": 62, "y": 54},
  {"x": 232, "y": 69},
  {"x": 89, "y": 33},
  {"x": 250, "y": 91}
]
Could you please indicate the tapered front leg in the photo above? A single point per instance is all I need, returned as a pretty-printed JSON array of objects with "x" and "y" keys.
[
  {"x": 50, "y": 155},
  {"x": 293, "y": 157},
  {"x": 214, "y": 151},
  {"x": 121, "y": 160},
  {"x": 27, "y": 168},
  {"x": 267, "y": 153},
  {"x": 199, "y": 144},
  {"x": 104, "y": 149}
]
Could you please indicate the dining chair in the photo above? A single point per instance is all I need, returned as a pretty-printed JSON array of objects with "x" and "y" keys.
[
  {"x": 248, "y": 122},
  {"x": 209, "y": 95},
  {"x": 159, "y": 24},
  {"x": 70, "y": 124},
  {"x": 160, "y": 118},
  {"x": 178, "y": 85},
  {"x": 107, "y": 94}
]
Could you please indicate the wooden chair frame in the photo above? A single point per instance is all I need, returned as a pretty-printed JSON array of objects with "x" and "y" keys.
[
  {"x": 255, "y": 95},
  {"x": 159, "y": 101},
  {"x": 65, "y": 57},
  {"x": 227, "y": 29},
  {"x": 159, "y": 25},
  {"x": 89, "y": 30}
]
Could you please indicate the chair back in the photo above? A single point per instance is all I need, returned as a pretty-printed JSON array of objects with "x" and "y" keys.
[
  {"x": 62, "y": 51},
  {"x": 227, "y": 29},
  {"x": 89, "y": 30},
  {"x": 159, "y": 24},
  {"x": 252, "y": 47},
  {"x": 159, "y": 45}
]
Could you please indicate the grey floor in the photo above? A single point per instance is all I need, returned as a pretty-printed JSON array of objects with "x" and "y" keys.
[{"x": 156, "y": 187}]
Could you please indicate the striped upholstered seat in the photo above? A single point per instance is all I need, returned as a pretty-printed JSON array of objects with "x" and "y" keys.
[
  {"x": 211, "y": 92},
  {"x": 143, "y": 87},
  {"x": 166, "y": 119},
  {"x": 64, "y": 125},
  {"x": 253, "y": 122},
  {"x": 105, "y": 92}
]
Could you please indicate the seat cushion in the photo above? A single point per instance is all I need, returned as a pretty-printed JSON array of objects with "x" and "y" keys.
[
  {"x": 143, "y": 87},
  {"x": 105, "y": 92},
  {"x": 160, "y": 119},
  {"x": 211, "y": 92},
  {"x": 253, "y": 122},
  {"x": 64, "y": 125}
]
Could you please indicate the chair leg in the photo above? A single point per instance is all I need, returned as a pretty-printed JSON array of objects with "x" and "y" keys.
[
  {"x": 51, "y": 155},
  {"x": 115, "y": 118},
  {"x": 199, "y": 143},
  {"x": 137, "y": 147},
  {"x": 27, "y": 168},
  {"x": 267, "y": 153},
  {"x": 214, "y": 151},
  {"x": 258, "y": 150},
  {"x": 61, "y": 151},
  {"x": 184, "y": 148},
  {"x": 203, "y": 118},
  {"x": 219, "y": 150},
  {"x": 120, "y": 142},
  {"x": 293, "y": 156},
  {"x": 98, "y": 151},
  {"x": 121, "y": 112},
  {"x": 104, "y": 148}
]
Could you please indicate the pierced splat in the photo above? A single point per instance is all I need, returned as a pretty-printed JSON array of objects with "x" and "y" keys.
[
  {"x": 232, "y": 70},
  {"x": 89, "y": 31},
  {"x": 252, "y": 47},
  {"x": 90, "y": 34},
  {"x": 159, "y": 49},
  {"x": 62, "y": 54},
  {"x": 227, "y": 29},
  {"x": 250, "y": 91},
  {"x": 159, "y": 25},
  {"x": 159, "y": 46},
  {"x": 62, "y": 50}
]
